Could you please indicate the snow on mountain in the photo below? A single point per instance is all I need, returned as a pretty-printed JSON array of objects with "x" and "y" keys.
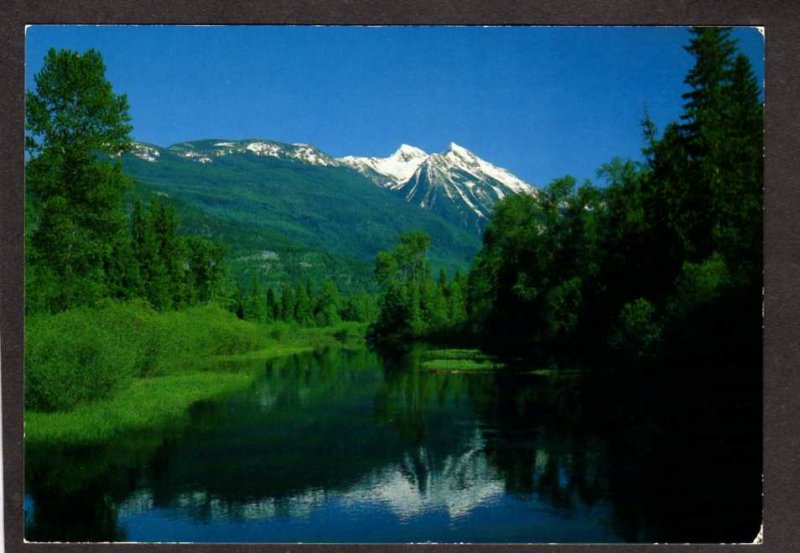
[
  {"x": 145, "y": 152},
  {"x": 464, "y": 159},
  {"x": 206, "y": 151},
  {"x": 455, "y": 184},
  {"x": 460, "y": 186},
  {"x": 389, "y": 171}
]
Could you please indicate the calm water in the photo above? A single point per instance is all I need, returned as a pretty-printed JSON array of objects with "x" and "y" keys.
[{"x": 344, "y": 446}]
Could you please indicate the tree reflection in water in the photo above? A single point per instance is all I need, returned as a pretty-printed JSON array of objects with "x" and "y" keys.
[{"x": 644, "y": 458}]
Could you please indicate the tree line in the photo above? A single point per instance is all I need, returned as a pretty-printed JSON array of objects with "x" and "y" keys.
[
  {"x": 304, "y": 304},
  {"x": 81, "y": 243},
  {"x": 666, "y": 257},
  {"x": 413, "y": 304}
]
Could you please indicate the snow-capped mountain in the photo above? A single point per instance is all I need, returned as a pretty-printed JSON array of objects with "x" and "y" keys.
[
  {"x": 388, "y": 172},
  {"x": 286, "y": 211},
  {"x": 456, "y": 184}
]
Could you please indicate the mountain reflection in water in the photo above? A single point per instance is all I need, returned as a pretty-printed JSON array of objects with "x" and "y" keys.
[{"x": 350, "y": 446}]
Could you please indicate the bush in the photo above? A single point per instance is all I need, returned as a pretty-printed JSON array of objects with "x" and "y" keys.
[
  {"x": 73, "y": 357},
  {"x": 348, "y": 332},
  {"x": 281, "y": 330},
  {"x": 638, "y": 331},
  {"x": 207, "y": 331},
  {"x": 699, "y": 285},
  {"x": 85, "y": 354}
]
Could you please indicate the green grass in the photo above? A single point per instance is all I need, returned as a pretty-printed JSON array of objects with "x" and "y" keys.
[
  {"x": 458, "y": 360},
  {"x": 147, "y": 402},
  {"x": 460, "y": 365},
  {"x": 190, "y": 356},
  {"x": 87, "y": 354},
  {"x": 455, "y": 354}
]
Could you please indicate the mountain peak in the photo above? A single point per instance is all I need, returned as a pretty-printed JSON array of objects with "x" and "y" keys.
[
  {"x": 389, "y": 171},
  {"x": 460, "y": 186},
  {"x": 409, "y": 152},
  {"x": 459, "y": 150}
]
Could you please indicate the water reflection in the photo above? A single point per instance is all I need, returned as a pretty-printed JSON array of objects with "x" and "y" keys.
[
  {"x": 352, "y": 446},
  {"x": 461, "y": 482}
]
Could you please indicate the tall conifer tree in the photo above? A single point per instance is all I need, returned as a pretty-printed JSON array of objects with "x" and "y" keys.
[{"x": 74, "y": 121}]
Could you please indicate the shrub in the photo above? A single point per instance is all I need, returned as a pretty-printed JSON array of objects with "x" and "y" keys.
[
  {"x": 638, "y": 331},
  {"x": 72, "y": 358},
  {"x": 84, "y": 354},
  {"x": 699, "y": 285}
]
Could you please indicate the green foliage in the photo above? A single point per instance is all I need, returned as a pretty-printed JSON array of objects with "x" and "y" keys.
[
  {"x": 638, "y": 332},
  {"x": 527, "y": 281},
  {"x": 84, "y": 354},
  {"x": 162, "y": 399},
  {"x": 359, "y": 307},
  {"x": 75, "y": 357},
  {"x": 206, "y": 273},
  {"x": 700, "y": 284},
  {"x": 678, "y": 235},
  {"x": 562, "y": 306},
  {"x": 145, "y": 404},
  {"x": 326, "y": 308},
  {"x": 455, "y": 353},
  {"x": 303, "y": 308},
  {"x": 174, "y": 271},
  {"x": 714, "y": 160},
  {"x": 458, "y": 360},
  {"x": 460, "y": 365},
  {"x": 73, "y": 107},
  {"x": 287, "y": 304},
  {"x": 255, "y": 307},
  {"x": 81, "y": 247},
  {"x": 273, "y": 307},
  {"x": 303, "y": 221},
  {"x": 412, "y": 304},
  {"x": 78, "y": 250}
]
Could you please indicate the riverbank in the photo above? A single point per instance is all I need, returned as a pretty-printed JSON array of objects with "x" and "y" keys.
[{"x": 162, "y": 364}]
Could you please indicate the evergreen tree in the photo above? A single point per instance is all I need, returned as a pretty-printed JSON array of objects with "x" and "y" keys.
[
  {"x": 403, "y": 277},
  {"x": 303, "y": 309},
  {"x": 154, "y": 276},
  {"x": 741, "y": 204},
  {"x": 457, "y": 301},
  {"x": 287, "y": 304},
  {"x": 668, "y": 253},
  {"x": 326, "y": 312},
  {"x": 721, "y": 131},
  {"x": 74, "y": 121},
  {"x": 206, "y": 274},
  {"x": 254, "y": 303},
  {"x": 433, "y": 304},
  {"x": 360, "y": 307},
  {"x": 273, "y": 307},
  {"x": 170, "y": 251}
]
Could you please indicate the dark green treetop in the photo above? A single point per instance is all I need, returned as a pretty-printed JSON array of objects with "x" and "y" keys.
[{"x": 74, "y": 107}]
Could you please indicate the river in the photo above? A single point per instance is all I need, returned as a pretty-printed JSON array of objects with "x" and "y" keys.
[{"x": 355, "y": 446}]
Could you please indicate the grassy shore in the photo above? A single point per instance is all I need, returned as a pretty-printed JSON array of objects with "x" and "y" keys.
[
  {"x": 217, "y": 356},
  {"x": 459, "y": 360}
]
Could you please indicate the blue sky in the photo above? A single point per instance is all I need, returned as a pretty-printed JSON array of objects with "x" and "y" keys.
[{"x": 540, "y": 101}]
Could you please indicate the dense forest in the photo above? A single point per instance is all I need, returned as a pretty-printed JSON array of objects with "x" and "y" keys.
[{"x": 662, "y": 259}]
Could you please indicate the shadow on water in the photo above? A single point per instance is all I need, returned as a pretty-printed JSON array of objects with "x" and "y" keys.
[{"x": 344, "y": 445}]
